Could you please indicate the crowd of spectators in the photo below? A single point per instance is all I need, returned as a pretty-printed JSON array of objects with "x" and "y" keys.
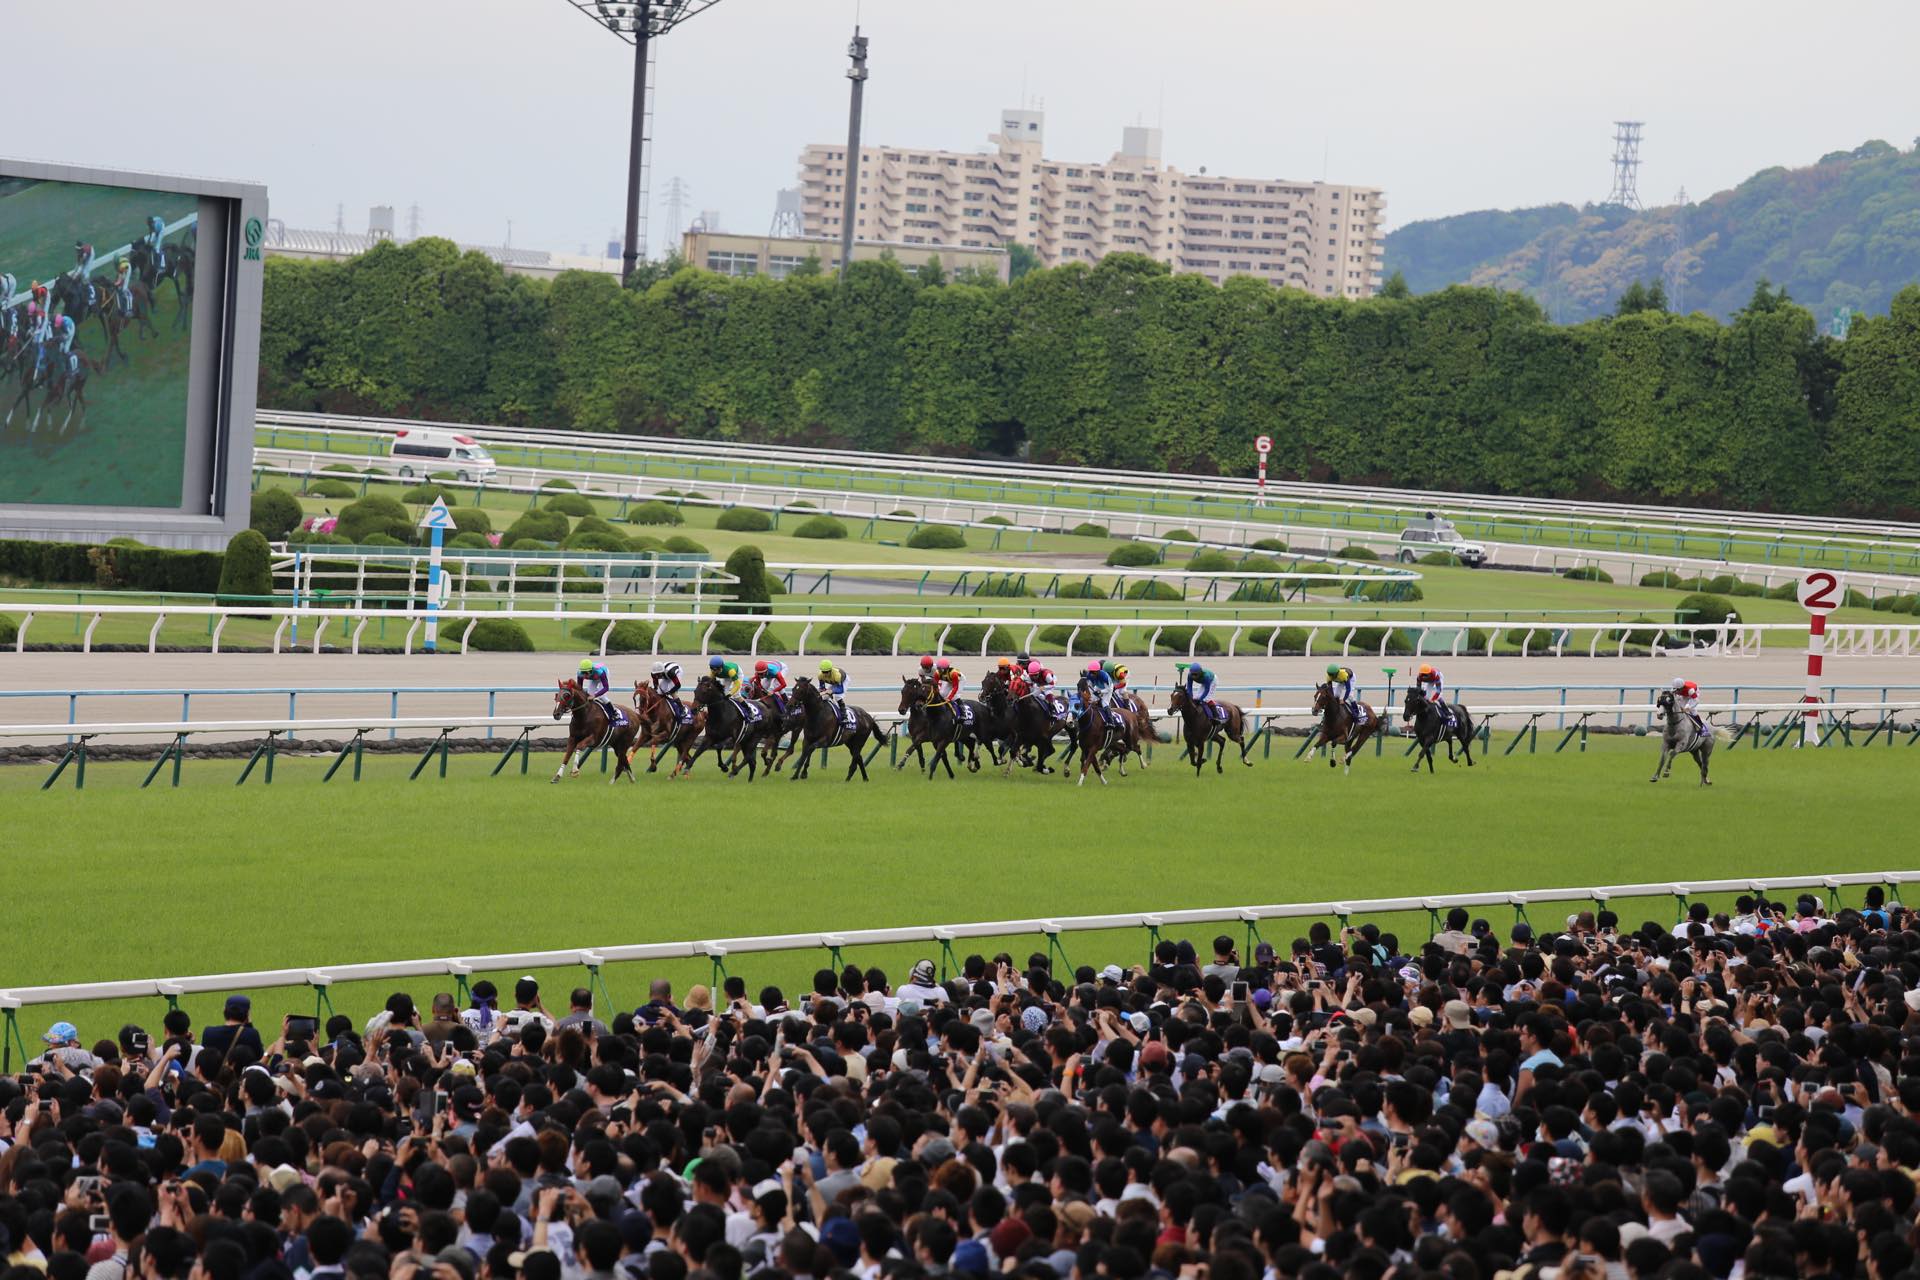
[{"x": 1731, "y": 1098}]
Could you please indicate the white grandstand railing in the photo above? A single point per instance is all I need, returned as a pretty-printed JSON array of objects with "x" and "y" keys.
[
  {"x": 1697, "y": 520},
  {"x": 939, "y": 936},
  {"x": 1429, "y": 636}
]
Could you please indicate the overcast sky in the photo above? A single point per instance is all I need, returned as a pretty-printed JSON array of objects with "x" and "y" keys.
[{"x": 481, "y": 111}]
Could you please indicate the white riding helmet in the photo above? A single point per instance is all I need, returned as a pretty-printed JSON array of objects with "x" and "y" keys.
[
  {"x": 660, "y": 668},
  {"x": 1679, "y": 683}
]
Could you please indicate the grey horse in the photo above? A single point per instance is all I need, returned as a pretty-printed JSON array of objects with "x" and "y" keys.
[{"x": 1682, "y": 738}]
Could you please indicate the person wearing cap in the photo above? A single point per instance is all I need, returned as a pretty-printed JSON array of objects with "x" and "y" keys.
[
  {"x": 236, "y": 1029},
  {"x": 920, "y": 985},
  {"x": 63, "y": 1048}
]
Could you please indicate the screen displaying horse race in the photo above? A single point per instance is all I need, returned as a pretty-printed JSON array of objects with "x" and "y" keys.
[{"x": 97, "y": 333}]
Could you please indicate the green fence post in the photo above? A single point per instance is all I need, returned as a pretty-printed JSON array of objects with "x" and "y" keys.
[{"x": 1054, "y": 948}]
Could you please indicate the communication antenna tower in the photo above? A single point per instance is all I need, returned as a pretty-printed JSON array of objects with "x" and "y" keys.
[{"x": 1626, "y": 165}]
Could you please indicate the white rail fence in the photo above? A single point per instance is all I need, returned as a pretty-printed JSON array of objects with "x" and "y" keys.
[{"x": 940, "y": 936}]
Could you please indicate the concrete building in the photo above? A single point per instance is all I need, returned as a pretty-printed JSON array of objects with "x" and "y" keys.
[
  {"x": 776, "y": 256},
  {"x": 282, "y": 241},
  {"x": 1324, "y": 238}
]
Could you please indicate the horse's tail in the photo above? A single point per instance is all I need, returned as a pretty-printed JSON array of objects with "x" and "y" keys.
[{"x": 98, "y": 366}]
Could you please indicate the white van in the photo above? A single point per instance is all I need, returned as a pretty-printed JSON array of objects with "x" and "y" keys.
[{"x": 424, "y": 452}]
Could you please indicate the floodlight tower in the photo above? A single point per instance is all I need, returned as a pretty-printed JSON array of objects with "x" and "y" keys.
[
  {"x": 850, "y": 202},
  {"x": 1626, "y": 164}
]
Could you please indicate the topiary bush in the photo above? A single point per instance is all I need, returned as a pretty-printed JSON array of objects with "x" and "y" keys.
[
  {"x": 590, "y": 540},
  {"x": 381, "y": 540},
  {"x": 1088, "y": 529},
  {"x": 1356, "y": 553},
  {"x": 422, "y": 495},
  {"x": 1153, "y": 589},
  {"x": 1785, "y": 591},
  {"x": 499, "y": 635},
  {"x": 1133, "y": 555},
  {"x": 1852, "y": 599},
  {"x": 1368, "y": 639},
  {"x": 1744, "y": 588},
  {"x": 469, "y": 541},
  {"x": 1002, "y": 521},
  {"x": 542, "y": 526},
  {"x": 246, "y": 575},
  {"x": 1288, "y": 640},
  {"x": 349, "y": 468},
  {"x": 1390, "y": 590},
  {"x": 903, "y": 514},
  {"x": 1089, "y": 640},
  {"x": 471, "y": 520},
  {"x": 331, "y": 489},
  {"x": 1664, "y": 578},
  {"x": 744, "y": 520},
  {"x": 274, "y": 514},
  {"x": 870, "y": 637},
  {"x": 558, "y": 484},
  {"x": 684, "y": 545},
  {"x": 1212, "y": 562},
  {"x": 968, "y": 637},
  {"x": 1721, "y": 584},
  {"x": 654, "y": 513},
  {"x": 569, "y": 504},
  {"x": 1178, "y": 639},
  {"x": 1588, "y": 573},
  {"x": 1640, "y": 635},
  {"x": 1082, "y": 591},
  {"x": 1442, "y": 559},
  {"x": 748, "y": 565},
  {"x": 642, "y": 542},
  {"x": 737, "y": 637},
  {"x": 937, "y": 537},
  {"x": 372, "y": 515},
  {"x": 1267, "y": 544},
  {"x": 1006, "y": 586},
  {"x": 9, "y": 630},
  {"x": 1704, "y": 609},
  {"x": 820, "y": 527},
  {"x": 1181, "y": 535},
  {"x": 804, "y": 504},
  {"x": 626, "y": 637}
]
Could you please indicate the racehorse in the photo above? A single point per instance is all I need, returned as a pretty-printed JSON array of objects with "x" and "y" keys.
[
  {"x": 664, "y": 731},
  {"x": 938, "y": 725},
  {"x": 1202, "y": 730},
  {"x": 1430, "y": 728},
  {"x": 1682, "y": 737},
  {"x": 1090, "y": 735},
  {"x": 1034, "y": 722},
  {"x": 33, "y": 373},
  {"x": 117, "y": 321},
  {"x": 820, "y": 728},
  {"x": 729, "y": 727},
  {"x": 179, "y": 269},
  {"x": 1337, "y": 726},
  {"x": 69, "y": 384},
  {"x": 590, "y": 729},
  {"x": 79, "y": 299}
]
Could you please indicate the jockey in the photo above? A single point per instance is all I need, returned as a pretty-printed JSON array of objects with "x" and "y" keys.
[
  {"x": 1340, "y": 680},
  {"x": 926, "y": 674},
  {"x": 1041, "y": 681},
  {"x": 8, "y": 320},
  {"x": 833, "y": 682},
  {"x": 1005, "y": 668},
  {"x": 156, "y": 240},
  {"x": 1432, "y": 685},
  {"x": 1686, "y": 696},
  {"x": 595, "y": 683},
  {"x": 725, "y": 674},
  {"x": 83, "y": 265},
  {"x": 1099, "y": 683},
  {"x": 1199, "y": 687},
  {"x": 123, "y": 285},
  {"x": 666, "y": 683},
  {"x": 947, "y": 675},
  {"x": 769, "y": 680},
  {"x": 60, "y": 335}
]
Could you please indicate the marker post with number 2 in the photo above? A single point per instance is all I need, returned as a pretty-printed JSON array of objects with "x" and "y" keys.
[{"x": 1820, "y": 595}]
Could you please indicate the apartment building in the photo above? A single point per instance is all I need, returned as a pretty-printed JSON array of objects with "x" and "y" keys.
[
  {"x": 779, "y": 256},
  {"x": 1324, "y": 238}
]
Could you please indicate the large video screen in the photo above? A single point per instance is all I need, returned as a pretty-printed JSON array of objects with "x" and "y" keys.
[{"x": 97, "y": 317}]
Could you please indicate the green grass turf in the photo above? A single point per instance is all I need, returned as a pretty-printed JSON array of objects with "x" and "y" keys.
[
  {"x": 1622, "y": 537},
  {"x": 128, "y": 447},
  {"x": 113, "y": 882}
]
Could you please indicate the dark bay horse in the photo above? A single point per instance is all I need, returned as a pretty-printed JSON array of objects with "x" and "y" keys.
[
  {"x": 589, "y": 730},
  {"x": 1090, "y": 734},
  {"x": 1337, "y": 727},
  {"x": 937, "y": 725},
  {"x": 1430, "y": 728},
  {"x": 1201, "y": 731},
  {"x": 731, "y": 727},
  {"x": 820, "y": 728}
]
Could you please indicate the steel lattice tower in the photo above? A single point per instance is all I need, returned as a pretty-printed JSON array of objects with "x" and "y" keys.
[{"x": 1626, "y": 165}]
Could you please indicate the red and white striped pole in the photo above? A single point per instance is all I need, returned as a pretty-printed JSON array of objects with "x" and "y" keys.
[
  {"x": 1819, "y": 593},
  {"x": 1263, "y": 445}
]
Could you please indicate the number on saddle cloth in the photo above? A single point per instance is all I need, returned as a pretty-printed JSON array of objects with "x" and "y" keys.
[
  {"x": 750, "y": 712},
  {"x": 1216, "y": 712}
]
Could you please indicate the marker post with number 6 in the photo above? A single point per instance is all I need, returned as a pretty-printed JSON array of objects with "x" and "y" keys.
[
  {"x": 1263, "y": 445},
  {"x": 1820, "y": 595},
  {"x": 437, "y": 520}
]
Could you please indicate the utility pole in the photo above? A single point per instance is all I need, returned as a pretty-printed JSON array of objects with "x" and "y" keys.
[{"x": 850, "y": 203}]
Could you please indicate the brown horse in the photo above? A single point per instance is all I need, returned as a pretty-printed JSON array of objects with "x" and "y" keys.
[
  {"x": 590, "y": 729},
  {"x": 1091, "y": 734},
  {"x": 1203, "y": 731},
  {"x": 662, "y": 730},
  {"x": 933, "y": 721},
  {"x": 117, "y": 322},
  {"x": 1337, "y": 726}
]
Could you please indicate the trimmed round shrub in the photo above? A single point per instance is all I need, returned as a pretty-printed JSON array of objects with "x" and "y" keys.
[
  {"x": 543, "y": 526},
  {"x": 937, "y": 537},
  {"x": 669, "y": 493},
  {"x": 499, "y": 635},
  {"x": 331, "y": 489},
  {"x": 1855, "y": 600},
  {"x": 246, "y": 574},
  {"x": 904, "y": 514},
  {"x": 1785, "y": 591},
  {"x": 820, "y": 527},
  {"x": 374, "y": 514},
  {"x": 589, "y": 540},
  {"x": 1153, "y": 589},
  {"x": 347, "y": 467},
  {"x": 1212, "y": 562},
  {"x": 1892, "y": 604},
  {"x": 744, "y": 520},
  {"x": 1720, "y": 584},
  {"x": 569, "y": 504},
  {"x": 1642, "y": 636},
  {"x": 684, "y": 545},
  {"x": 471, "y": 520},
  {"x": 1089, "y": 640},
  {"x": 1368, "y": 639},
  {"x": 1267, "y": 544},
  {"x": 9, "y": 630},
  {"x": 868, "y": 637},
  {"x": 1665, "y": 578},
  {"x": 125, "y": 542},
  {"x": 1088, "y": 529},
  {"x": 422, "y": 495},
  {"x": 642, "y": 542},
  {"x": 381, "y": 540},
  {"x": 1005, "y": 586},
  {"x": 1744, "y": 588},
  {"x": 1588, "y": 573},
  {"x": 803, "y": 503},
  {"x": 1133, "y": 555},
  {"x": 694, "y": 495},
  {"x": 748, "y": 565},
  {"x": 1289, "y": 639},
  {"x": 469, "y": 541},
  {"x": 737, "y": 637},
  {"x": 1541, "y": 637},
  {"x": 1177, "y": 639},
  {"x": 1356, "y": 553},
  {"x": 1002, "y": 521},
  {"x": 532, "y": 544},
  {"x": 1181, "y": 535},
  {"x": 626, "y": 637},
  {"x": 968, "y": 637},
  {"x": 1082, "y": 591},
  {"x": 1705, "y": 609},
  {"x": 654, "y": 513},
  {"x": 558, "y": 484},
  {"x": 1390, "y": 591},
  {"x": 1441, "y": 560},
  {"x": 274, "y": 514}
]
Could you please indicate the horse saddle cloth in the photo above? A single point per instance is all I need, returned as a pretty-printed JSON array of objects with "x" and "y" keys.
[
  {"x": 1215, "y": 712},
  {"x": 1359, "y": 712},
  {"x": 964, "y": 712},
  {"x": 616, "y": 715},
  {"x": 847, "y": 719},
  {"x": 750, "y": 712},
  {"x": 681, "y": 711},
  {"x": 1113, "y": 717}
]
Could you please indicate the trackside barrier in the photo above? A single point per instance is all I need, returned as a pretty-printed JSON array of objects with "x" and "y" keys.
[
  {"x": 276, "y": 734},
  {"x": 1051, "y": 929}
]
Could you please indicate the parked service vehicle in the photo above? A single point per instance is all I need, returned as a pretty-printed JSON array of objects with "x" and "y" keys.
[
  {"x": 422, "y": 453},
  {"x": 1436, "y": 533}
]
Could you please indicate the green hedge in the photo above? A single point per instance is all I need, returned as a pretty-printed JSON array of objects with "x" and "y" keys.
[
  {"x": 1642, "y": 636},
  {"x": 1356, "y": 553},
  {"x": 594, "y": 524},
  {"x": 500, "y": 635},
  {"x": 1180, "y": 535},
  {"x": 381, "y": 540},
  {"x": 820, "y": 527},
  {"x": 1744, "y": 588},
  {"x": 469, "y": 541},
  {"x": 1088, "y": 529},
  {"x": 748, "y": 565},
  {"x": 1082, "y": 591},
  {"x": 967, "y": 637},
  {"x": 626, "y": 637},
  {"x": 9, "y": 631},
  {"x": 737, "y": 637},
  {"x": 901, "y": 513},
  {"x": 1785, "y": 591},
  {"x": 1002, "y": 521},
  {"x": 872, "y": 637},
  {"x": 543, "y": 526},
  {"x": 422, "y": 495},
  {"x": 1705, "y": 609},
  {"x": 113, "y": 568},
  {"x": 1390, "y": 590},
  {"x": 471, "y": 520},
  {"x": 1177, "y": 640},
  {"x": 654, "y": 513},
  {"x": 1366, "y": 640},
  {"x": 1133, "y": 555},
  {"x": 331, "y": 489},
  {"x": 246, "y": 575},
  {"x": 1092, "y": 639},
  {"x": 1212, "y": 562},
  {"x": 569, "y": 504},
  {"x": 1154, "y": 590},
  {"x": 744, "y": 520},
  {"x": 937, "y": 537},
  {"x": 558, "y": 484},
  {"x": 679, "y": 542},
  {"x": 1267, "y": 544},
  {"x": 375, "y": 514},
  {"x": 642, "y": 542},
  {"x": 274, "y": 513},
  {"x": 1664, "y": 578},
  {"x": 591, "y": 541},
  {"x": 1290, "y": 640},
  {"x": 804, "y": 505}
]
